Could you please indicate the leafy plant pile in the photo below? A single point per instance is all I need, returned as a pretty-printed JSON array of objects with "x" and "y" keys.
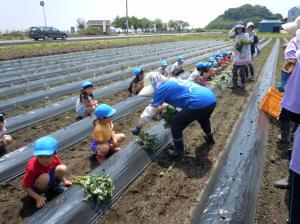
[
  {"x": 147, "y": 141},
  {"x": 239, "y": 45},
  {"x": 97, "y": 188},
  {"x": 167, "y": 115},
  {"x": 220, "y": 80}
]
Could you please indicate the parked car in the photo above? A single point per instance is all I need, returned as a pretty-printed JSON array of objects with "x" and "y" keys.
[{"x": 45, "y": 33}]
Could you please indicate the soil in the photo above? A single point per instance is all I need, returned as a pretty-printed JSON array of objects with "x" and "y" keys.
[
  {"x": 16, "y": 206},
  {"x": 177, "y": 192},
  {"x": 272, "y": 202},
  {"x": 30, "y": 134}
]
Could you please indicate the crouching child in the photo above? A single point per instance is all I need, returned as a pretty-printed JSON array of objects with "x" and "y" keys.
[
  {"x": 177, "y": 67},
  {"x": 44, "y": 171},
  {"x": 105, "y": 142},
  {"x": 5, "y": 139},
  {"x": 137, "y": 83},
  {"x": 200, "y": 75}
]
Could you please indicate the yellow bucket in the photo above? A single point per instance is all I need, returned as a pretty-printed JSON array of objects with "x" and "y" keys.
[{"x": 271, "y": 102}]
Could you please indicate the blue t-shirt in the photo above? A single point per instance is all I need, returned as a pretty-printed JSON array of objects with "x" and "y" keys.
[{"x": 183, "y": 94}]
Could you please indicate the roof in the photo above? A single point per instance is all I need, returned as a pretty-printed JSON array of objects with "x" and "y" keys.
[
  {"x": 98, "y": 22},
  {"x": 270, "y": 21},
  {"x": 295, "y": 7}
]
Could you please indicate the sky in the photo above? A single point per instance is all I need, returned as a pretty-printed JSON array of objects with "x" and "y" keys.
[{"x": 62, "y": 14}]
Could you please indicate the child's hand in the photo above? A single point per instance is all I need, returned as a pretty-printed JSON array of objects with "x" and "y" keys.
[
  {"x": 40, "y": 201},
  {"x": 67, "y": 182}
]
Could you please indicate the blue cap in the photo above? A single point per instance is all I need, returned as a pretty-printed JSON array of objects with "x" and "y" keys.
[
  {"x": 218, "y": 58},
  {"x": 86, "y": 84},
  {"x": 199, "y": 65},
  {"x": 45, "y": 146},
  {"x": 164, "y": 63},
  {"x": 218, "y": 55},
  {"x": 138, "y": 71},
  {"x": 225, "y": 53},
  {"x": 206, "y": 64},
  {"x": 180, "y": 59},
  {"x": 211, "y": 59},
  {"x": 103, "y": 110}
]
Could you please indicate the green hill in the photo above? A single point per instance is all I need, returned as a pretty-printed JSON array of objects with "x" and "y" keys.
[{"x": 243, "y": 13}]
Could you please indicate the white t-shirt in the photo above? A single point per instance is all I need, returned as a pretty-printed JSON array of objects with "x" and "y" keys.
[
  {"x": 81, "y": 107},
  {"x": 194, "y": 75},
  {"x": 176, "y": 66},
  {"x": 164, "y": 72}
]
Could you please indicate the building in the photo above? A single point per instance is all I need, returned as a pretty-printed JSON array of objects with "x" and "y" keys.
[
  {"x": 293, "y": 14},
  {"x": 270, "y": 26},
  {"x": 103, "y": 25}
]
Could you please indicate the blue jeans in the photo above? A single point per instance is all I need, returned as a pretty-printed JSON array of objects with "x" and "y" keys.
[
  {"x": 241, "y": 69},
  {"x": 251, "y": 68}
]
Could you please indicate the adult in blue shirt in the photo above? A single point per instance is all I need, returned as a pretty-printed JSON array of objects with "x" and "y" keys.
[{"x": 197, "y": 103}]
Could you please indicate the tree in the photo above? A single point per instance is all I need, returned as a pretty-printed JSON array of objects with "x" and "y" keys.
[
  {"x": 243, "y": 13},
  {"x": 178, "y": 25},
  {"x": 119, "y": 22},
  {"x": 91, "y": 30},
  {"x": 81, "y": 23},
  {"x": 145, "y": 23},
  {"x": 158, "y": 24}
]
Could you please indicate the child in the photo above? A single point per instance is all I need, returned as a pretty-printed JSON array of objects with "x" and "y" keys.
[
  {"x": 254, "y": 41},
  {"x": 85, "y": 104},
  {"x": 105, "y": 140},
  {"x": 242, "y": 56},
  {"x": 178, "y": 66},
  {"x": 137, "y": 83},
  {"x": 214, "y": 67},
  {"x": 163, "y": 70},
  {"x": 200, "y": 74},
  {"x": 227, "y": 56},
  {"x": 4, "y": 138},
  {"x": 44, "y": 171}
]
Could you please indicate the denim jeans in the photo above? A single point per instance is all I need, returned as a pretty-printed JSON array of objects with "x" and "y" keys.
[{"x": 241, "y": 69}]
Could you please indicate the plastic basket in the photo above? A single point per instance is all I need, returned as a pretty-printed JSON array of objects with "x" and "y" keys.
[{"x": 271, "y": 102}]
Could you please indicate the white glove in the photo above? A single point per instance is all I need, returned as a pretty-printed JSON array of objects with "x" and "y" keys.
[{"x": 147, "y": 114}]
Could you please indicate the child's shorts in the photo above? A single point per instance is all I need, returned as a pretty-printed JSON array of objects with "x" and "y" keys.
[
  {"x": 53, "y": 181},
  {"x": 3, "y": 149},
  {"x": 93, "y": 148}
]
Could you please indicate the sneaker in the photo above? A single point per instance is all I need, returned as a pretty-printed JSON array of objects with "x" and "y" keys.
[
  {"x": 282, "y": 184},
  {"x": 209, "y": 139},
  {"x": 136, "y": 131},
  {"x": 251, "y": 78}
]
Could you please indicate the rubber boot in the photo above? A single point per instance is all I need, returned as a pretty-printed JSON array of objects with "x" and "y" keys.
[
  {"x": 136, "y": 131},
  {"x": 178, "y": 151}
]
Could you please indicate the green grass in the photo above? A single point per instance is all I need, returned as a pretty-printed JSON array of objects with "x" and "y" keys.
[
  {"x": 273, "y": 35},
  {"x": 14, "y": 36},
  {"x": 28, "y": 50}
]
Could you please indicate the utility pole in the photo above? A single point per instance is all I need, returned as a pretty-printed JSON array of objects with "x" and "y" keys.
[
  {"x": 126, "y": 18},
  {"x": 42, "y": 3}
]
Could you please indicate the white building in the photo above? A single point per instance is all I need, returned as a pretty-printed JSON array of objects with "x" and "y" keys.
[{"x": 293, "y": 14}]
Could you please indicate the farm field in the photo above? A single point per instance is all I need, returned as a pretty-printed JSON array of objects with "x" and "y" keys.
[{"x": 38, "y": 94}]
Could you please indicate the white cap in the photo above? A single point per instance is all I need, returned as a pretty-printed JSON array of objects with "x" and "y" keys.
[
  {"x": 151, "y": 81},
  {"x": 250, "y": 24}
]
